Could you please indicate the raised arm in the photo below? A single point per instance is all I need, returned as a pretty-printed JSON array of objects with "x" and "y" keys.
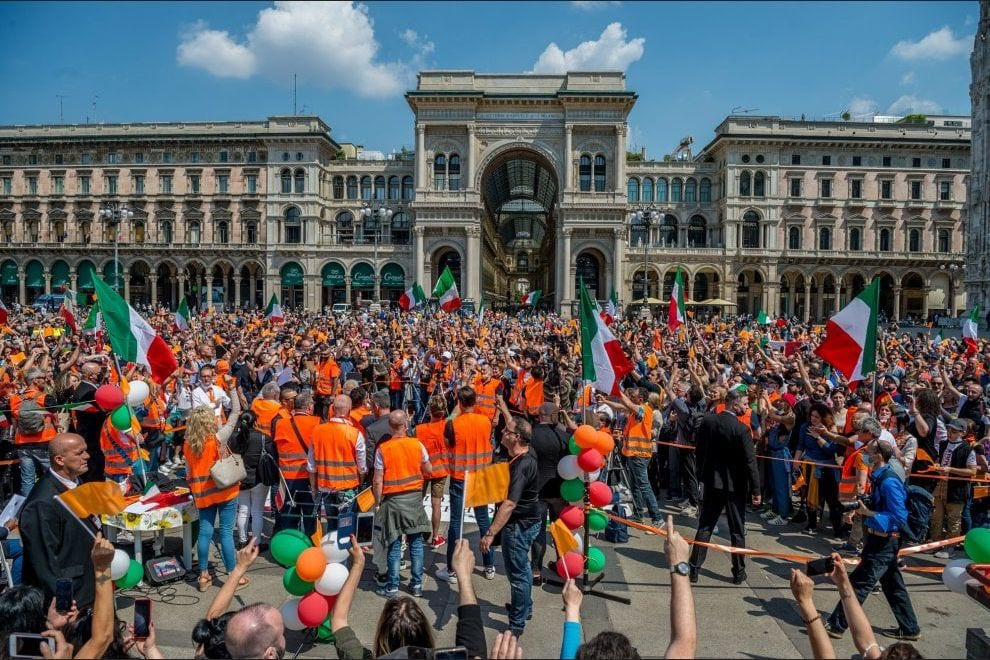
[
  {"x": 859, "y": 625},
  {"x": 245, "y": 557},
  {"x": 683, "y": 625}
]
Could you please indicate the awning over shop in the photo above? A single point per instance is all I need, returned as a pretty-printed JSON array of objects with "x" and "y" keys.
[
  {"x": 362, "y": 277},
  {"x": 85, "y": 279},
  {"x": 8, "y": 274},
  {"x": 60, "y": 273},
  {"x": 393, "y": 277},
  {"x": 333, "y": 275},
  {"x": 292, "y": 274},
  {"x": 34, "y": 275}
]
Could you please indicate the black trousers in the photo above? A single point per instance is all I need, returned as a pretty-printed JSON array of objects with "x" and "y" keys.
[
  {"x": 689, "y": 475},
  {"x": 538, "y": 550},
  {"x": 321, "y": 405},
  {"x": 828, "y": 493},
  {"x": 712, "y": 505}
]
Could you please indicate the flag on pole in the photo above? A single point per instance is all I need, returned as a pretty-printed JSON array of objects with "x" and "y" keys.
[
  {"x": 762, "y": 318},
  {"x": 68, "y": 311},
  {"x": 132, "y": 338},
  {"x": 181, "y": 320},
  {"x": 412, "y": 298},
  {"x": 676, "y": 316},
  {"x": 611, "y": 309},
  {"x": 95, "y": 498},
  {"x": 446, "y": 291},
  {"x": 481, "y": 311},
  {"x": 92, "y": 323},
  {"x": 4, "y": 316},
  {"x": 851, "y": 336},
  {"x": 486, "y": 485},
  {"x": 532, "y": 297},
  {"x": 603, "y": 362},
  {"x": 273, "y": 312},
  {"x": 563, "y": 538},
  {"x": 365, "y": 500},
  {"x": 969, "y": 328}
]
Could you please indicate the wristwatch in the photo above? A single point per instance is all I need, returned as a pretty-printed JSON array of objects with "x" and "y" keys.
[{"x": 681, "y": 568}]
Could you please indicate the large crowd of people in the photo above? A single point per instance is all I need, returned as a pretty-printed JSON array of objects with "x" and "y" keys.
[{"x": 725, "y": 415}]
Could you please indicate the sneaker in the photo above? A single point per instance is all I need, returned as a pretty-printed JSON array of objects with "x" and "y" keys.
[
  {"x": 438, "y": 542},
  {"x": 776, "y": 521},
  {"x": 833, "y": 632},
  {"x": 656, "y": 522},
  {"x": 387, "y": 593},
  {"x": 164, "y": 470},
  {"x": 381, "y": 579},
  {"x": 689, "y": 510},
  {"x": 847, "y": 549},
  {"x": 768, "y": 514},
  {"x": 740, "y": 577},
  {"x": 444, "y": 575},
  {"x": 800, "y": 517},
  {"x": 489, "y": 572},
  {"x": 898, "y": 633},
  {"x": 416, "y": 590},
  {"x": 943, "y": 554}
]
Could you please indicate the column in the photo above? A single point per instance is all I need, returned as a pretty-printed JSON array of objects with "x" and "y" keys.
[
  {"x": 237, "y": 292},
  {"x": 924, "y": 304},
  {"x": 73, "y": 280},
  {"x": 820, "y": 301},
  {"x": 568, "y": 157},
  {"x": 897, "y": 303},
  {"x": 418, "y": 232},
  {"x": 378, "y": 282},
  {"x": 154, "y": 291},
  {"x": 347, "y": 288},
  {"x": 127, "y": 285},
  {"x": 252, "y": 289},
  {"x": 471, "y": 157},
  {"x": 620, "y": 159},
  {"x": 22, "y": 289},
  {"x": 791, "y": 292},
  {"x": 420, "y": 160},
  {"x": 835, "y": 300},
  {"x": 473, "y": 266},
  {"x": 181, "y": 280},
  {"x": 618, "y": 258},
  {"x": 773, "y": 297},
  {"x": 807, "y": 299},
  {"x": 567, "y": 288},
  {"x": 48, "y": 280}
]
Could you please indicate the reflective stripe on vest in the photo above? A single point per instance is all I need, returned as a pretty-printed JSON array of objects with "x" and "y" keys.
[
  {"x": 402, "y": 459},
  {"x": 639, "y": 434},
  {"x": 335, "y": 456},
  {"x": 205, "y": 491},
  {"x": 485, "y": 403},
  {"x": 431, "y": 435},
  {"x": 472, "y": 443},
  {"x": 292, "y": 453},
  {"x": 848, "y": 480},
  {"x": 117, "y": 449}
]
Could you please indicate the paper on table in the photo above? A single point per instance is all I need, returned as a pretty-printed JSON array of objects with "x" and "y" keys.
[
  {"x": 12, "y": 509},
  {"x": 140, "y": 507}
]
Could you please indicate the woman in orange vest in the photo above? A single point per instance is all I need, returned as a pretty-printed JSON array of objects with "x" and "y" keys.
[
  {"x": 120, "y": 449},
  {"x": 202, "y": 450},
  {"x": 431, "y": 435}
]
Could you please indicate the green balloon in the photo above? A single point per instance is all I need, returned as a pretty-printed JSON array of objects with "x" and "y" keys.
[
  {"x": 324, "y": 634},
  {"x": 597, "y": 521},
  {"x": 287, "y": 545},
  {"x": 294, "y": 584},
  {"x": 596, "y": 560},
  {"x": 572, "y": 490},
  {"x": 121, "y": 418},
  {"x": 132, "y": 577},
  {"x": 977, "y": 545},
  {"x": 573, "y": 446}
]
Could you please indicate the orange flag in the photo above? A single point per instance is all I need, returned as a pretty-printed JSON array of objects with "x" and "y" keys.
[
  {"x": 563, "y": 539},
  {"x": 18, "y": 358},
  {"x": 317, "y": 536},
  {"x": 488, "y": 485},
  {"x": 96, "y": 498},
  {"x": 365, "y": 500}
]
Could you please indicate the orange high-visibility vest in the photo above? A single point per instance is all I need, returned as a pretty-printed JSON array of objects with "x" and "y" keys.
[
  {"x": 746, "y": 418},
  {"x": 155, "y": 419},
  {"x": 518, "y": 387},
  {"x": 639, "y": 434},
  {"x": 533, "y": 396},
  {"x": 325, "y": 377},
  {"x": 116, "y": 446},
  {"x": 847, "y": 482},
  {"x": 292, "y": 452},
  {"x": 440, "y": 375},
  {"x": 431, "y": 435},
  {"x": 472, "y": 443},
  {"x": 850, "y": 413},
  {"x": 265, "y": 411},
  {"x": 395, "y": 378},
  {"x": 402, "y": 459},
  {"x": 358, "y": 414},
  {"x": 47, "y": 432},
  {"x": 205, "y": 491},
  {"x": 335, "y": 456},
  {"x": 486, "y": 396}
]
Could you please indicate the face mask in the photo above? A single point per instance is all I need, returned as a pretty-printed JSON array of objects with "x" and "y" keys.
[{"x": 867, "y": 459}]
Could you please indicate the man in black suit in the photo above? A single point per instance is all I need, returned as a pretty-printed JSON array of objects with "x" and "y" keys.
[
  {"x": 55, "y": 543},
  {"x": 89, "y": 421},
  {"x": 728, "y": 471}
]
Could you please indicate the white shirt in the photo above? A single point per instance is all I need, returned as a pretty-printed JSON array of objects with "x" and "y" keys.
[
  {"x": 219, "y": 399},
  {"x": 68, "y": 483}
]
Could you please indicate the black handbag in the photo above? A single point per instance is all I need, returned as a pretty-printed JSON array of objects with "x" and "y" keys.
[{"x": 267, "y": 471}]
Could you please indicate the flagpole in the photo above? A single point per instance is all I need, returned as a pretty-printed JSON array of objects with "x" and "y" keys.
[{"x": 142, "y": 478}]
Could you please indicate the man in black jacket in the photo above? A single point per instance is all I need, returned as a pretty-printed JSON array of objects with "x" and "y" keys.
[
  {"x": 56, "y": 545},
  {"x": 89, "y": 419},
  {"x": 728, "y": 471},
  {"x": 550, "y": 445}
]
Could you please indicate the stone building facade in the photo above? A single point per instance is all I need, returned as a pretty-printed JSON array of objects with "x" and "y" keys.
[{"x": 978, "y": 245}]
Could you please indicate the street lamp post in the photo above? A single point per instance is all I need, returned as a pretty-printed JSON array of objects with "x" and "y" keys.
[
  {"x": 379, "y": 214},
  {"x": 644, "y": 218},
  {"x": 115, "y": 214}
]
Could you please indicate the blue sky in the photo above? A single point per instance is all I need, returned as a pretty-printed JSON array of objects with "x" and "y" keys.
[{"x": 690, "y": 62}]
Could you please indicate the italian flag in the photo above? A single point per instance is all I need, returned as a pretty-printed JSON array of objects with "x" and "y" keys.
[
  {"x": 611, "y": 309},
  {"x": 762, "y": 318},
  {"x": 133, "y": 340},
  {"x": 4, "y": 315},
  {"x": 446, "y": 291},
  {"x": 412, "y": 298},
  {"x": 851, "y": 336},
  {"x": 181, "y": 320},
  {"x": 481, "y": 311},
  {"x": 273, "y": 312},
  {"x": 969, "y": 330},
  {"x": 92, "y": 323},
  {"x": 532, "y": 297},
  {"x": 68, "y": 311},
  {"x": 603, "y": 361},
  {"x": 676, "y": 316}
]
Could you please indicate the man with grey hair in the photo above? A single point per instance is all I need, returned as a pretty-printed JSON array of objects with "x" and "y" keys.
[
  {"x": 257, "y": 631},
  {"x": 376, "y": 426}
]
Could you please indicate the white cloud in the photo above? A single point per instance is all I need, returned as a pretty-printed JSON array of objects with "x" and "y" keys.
[
  {"x": 941, "y": 44},
  {"x": 331, "y": 44},
  {"x": 610, "y": 52},
  {"x": 594, "y": 5},
  {"x": 418, "y": 43},
  {"x": 908, "y": 78},
  {"x": 909, "y": 104},
  {"x": 861, "y": 106}
]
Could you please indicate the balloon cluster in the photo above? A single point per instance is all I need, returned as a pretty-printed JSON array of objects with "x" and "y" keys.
[
  {"x": 588, "y": 449},
  {"x": 111, "y": 399},
  {"x": 124, "y": 571},
  {"x": 314, "y": 576},
  {"x": 977, "y": 546}
]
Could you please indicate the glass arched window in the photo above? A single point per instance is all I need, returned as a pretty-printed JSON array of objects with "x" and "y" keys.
[
  {"x": 286, "y": 181},
  {"x": 661, "y": 190},
  {"x": 794, "y": 238},
  {"x": 251, "y": 236},
  {"x": 440, "y": 172},
  {"x": 195, "y": 235},
  {"x": 600, "y": 173},
  {"x": 647, "y": 192},
  {"x": 300, "y": 181},
  {"x": 751, "y": 230},
  {"x": 366, "y": 188},
  {"x": 223, "y": 233},
  {"x": 352, "y": 187},
  {"x": 705, "y": 191},
  {"x": 584, "y": 173},
  {"x": 697, "y": 235},
  {"x": 668, "y": 231},
  {"x": 744, "y": 184},
  {"x": 293, "y": 225},
  {"x": 691, "y": 191},
  {"x": 166, "y": 232},
  {"x": 759, "y": 185},
  {"x": 522, "y": 262},
  {"x": 855, "y": 239},
  {"x": 944, "y": 240},
  {"x": 632, "y": 190},
  {"x": 407, "y": 188},
  {"x": 380, "y": 188},
  {"x": 393, "y": 188},
  {"x": 338, "y": 187},
  {"x": 825, "y": 239},
  {"x": 345, "y": 227},
  {"x": 676, "y": 189},
  {"x": 400, "y": 228},
  {"x": 454, "y": 172},
  {"x": 914, "y": 241},
  {"x": 885, "y": 240}
]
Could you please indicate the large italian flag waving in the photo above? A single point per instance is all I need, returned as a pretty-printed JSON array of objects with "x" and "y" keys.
[
  {"x": 412, "y": 298},
  {"x": 969, "y": 330},
  {"x": 446, "y": 291},
  {"x": 132, "y": 339},
  {"x": 676, "y": 315},
  {"x": 851, "y": 336},
  {"x": 181, "y": 320},
  {"x": 603, "y": 362},
  {"x": 274, "y": 311}
]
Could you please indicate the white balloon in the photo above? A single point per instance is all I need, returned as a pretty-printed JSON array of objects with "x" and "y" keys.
[
  {"x": 593, "y": 476},
  {"x": 568, "y": 468},
  {"x": 119, "y": 565},
  {"x": 138, "y": 392},
  {"x": 955, "y": 577},
  {"x": 332, "y": 580},
  {"x": 290, "y": 615},
  {"x": 579, "y": 537},
  {"x": 333, "y": 554}
]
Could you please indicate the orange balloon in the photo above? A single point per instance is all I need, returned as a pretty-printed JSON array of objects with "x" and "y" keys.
[
  {"x": 604, "y": 442},
  {"x": 310, "y": 564},
  {"x": 584, "y": 436}
]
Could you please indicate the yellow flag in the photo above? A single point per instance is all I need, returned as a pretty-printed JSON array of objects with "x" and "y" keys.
[
  {"x": 18, "y": 358},
  {"x": 488, "y": 485},
  {"x": 365, "y": 500},
  {"x": 562, "y": 538},
  {"x": 95, "y": 498},
  {"x": 318, "y": 534}
]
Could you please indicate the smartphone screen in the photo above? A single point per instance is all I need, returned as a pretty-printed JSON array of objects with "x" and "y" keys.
[
  {"x": 455, "y": 653},
  {"x": 63, "y": 595},
  {"x": 365, "y": 528},
  {"x": 821, "y": 566},
  {"x": 26, "y": 645},
  {"x": 142, "y": 618},
  {"x": 345, "y": 527}
]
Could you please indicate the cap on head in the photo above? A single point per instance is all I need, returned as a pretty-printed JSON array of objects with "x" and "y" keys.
[{"x": 958, "y": 425}]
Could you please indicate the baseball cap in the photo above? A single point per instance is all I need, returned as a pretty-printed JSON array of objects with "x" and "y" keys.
[
  {"x": 958, "y": 425},
  {"x": 446, "y": 355}
]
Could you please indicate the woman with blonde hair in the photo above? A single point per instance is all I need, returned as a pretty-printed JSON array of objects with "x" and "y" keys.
[{"x": 203, "y": 447}]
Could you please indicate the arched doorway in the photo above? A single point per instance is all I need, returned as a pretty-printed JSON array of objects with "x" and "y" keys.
[
  {"x": 84, "y": 279},
  {"x": 167, "y": 290},
  {"x": 113, "y": 274},
  {"x": 913, "y": 297},
  {"x": 705, "y": 286},
  {"x": 10, "y": 281},
  {"x": 447, "y": 258},
  {"x": 219, "y": 290},
  {"x": 393, "y": 282},
  {"x": 138, "y": 285},
  {"x": 362, "y": 282},
  {"x": 749, "y": 292},
  {"x": 332, "y": 277},
  {"x": 887, "y": 296},
  {"x": 588, "y": 269},
  {"x": 291, "y": 275},
  {"x": 646, "y": 283},
  {"x": 34, "y": 280},
  {"x": 60, "y": 276}
]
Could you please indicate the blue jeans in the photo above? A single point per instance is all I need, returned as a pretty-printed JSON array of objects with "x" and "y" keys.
[
  {"x": 335, "y": 504},
  {"x": 642, "y": 491},
  {"x": 516, "y": 541},
  {"x": 454, "y": 529},
  {"x": 31, "y": 458},
  {"x": 207, "y": 520},
  {"x": 395, "y": 555},
  {"x": 14, "y": 552},
  {"x": 780, "y": 480}
]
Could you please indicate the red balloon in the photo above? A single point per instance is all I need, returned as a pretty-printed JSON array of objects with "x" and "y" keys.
[
  {"x": 313, "y": 609},
  {"x": 573, "y": 516},
  {"x": 584, "y": 436},
  {"x": 570, "y": 565},
  {"x": 599, "y": 493},
  {"x": 331, "y": 601},
  {"x": 109, "y": 397},
  {"x": 590, "y": 460},
  {"x": 604, "y": 442}
]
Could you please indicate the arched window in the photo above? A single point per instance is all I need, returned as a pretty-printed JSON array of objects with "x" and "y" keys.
[
  {"x": 759, "y": 185},
  {"x": 587, "y": 271},
  {"x": 366, "y": 188},
  {"x": 407, "y": 188},
  {"x": 600, "y": 173},
  {"x": 300, "y": 181},
  {"x": 223, "y": 233},
  {"x": 825, "y": 239},
  {"x": 286, "y": 181},
  {"x": 647, "y": 192},
  {"x": 697, "y": 235},
  {"x": 138, "y": 232},
  {"x": 944, "y": 240},
  {"x": 584, "y": 173},
  {"x": 744, "y": 181},
  {"x": 668, "y": 231},
  {"x": 166, "y": 232},
  {"x": 661, "y": 190},
  {"x": 751, "y": 230},
  {"x": 400, "y": 228},
  {"x": 440, "y": 172},
  {"x": 632, "y": 190},
  {"x": 706, "y": 191},
  {"x": 454, "y": 172},
  {"x": 794, "y": 238},
  {"x": 352, "y": 187},
  {"x": 251, "y": 236},
  {"x": 85, "y": 232},
  {"x": 195, "y": 236},
  {"x": 380, "y": 188},
  {"x": 393, "y": 188},
  {"x": 676, "y": 186},
  {"x": 885, "y": 240},
  {"x": 522, "y": 262},
  {"x": 345, "y": 227},
  {"x": 691, "y": 191},
  {"x": 338, "y": 187},
  {"x": 293, "y": 225},
  {"x": 855, "y": 239},
  {"x": 914, "y": 241}
]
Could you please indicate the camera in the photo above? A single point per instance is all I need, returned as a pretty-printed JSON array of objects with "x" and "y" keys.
[{"x": 854, "y": 505}]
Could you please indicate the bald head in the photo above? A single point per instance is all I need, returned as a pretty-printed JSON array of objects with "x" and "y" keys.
[
  {"x": 256, "y": 632},
  {"x": 398, "y": 421},
  {"x": 68, "y": 455},
  {"x": 547, "y": 412},
  {"x": 90, "y": 371},
  {"x": 341, "y": 406}
]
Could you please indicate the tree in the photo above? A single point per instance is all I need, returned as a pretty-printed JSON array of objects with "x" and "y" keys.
[{"x": 846, "y": 116}]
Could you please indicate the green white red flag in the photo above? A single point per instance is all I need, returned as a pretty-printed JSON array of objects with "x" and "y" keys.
[
  {"x": 532, "y": 297},
  {"x": 181, "y": 320},
  {"x": 273, "y": 312},
  {"x": 446, "y": 291},
  {"x": 68, "y": 310},
  {"x": 851, "y": 336},
  {"x": 969, "y": 329},
  {"x": 4, "y": 315},
  {"x": 603, "y": 362},
  {"x": 412, "y": 298},
  {"x": 676, "y": 316},
  {"x": 92, "y": 323}
]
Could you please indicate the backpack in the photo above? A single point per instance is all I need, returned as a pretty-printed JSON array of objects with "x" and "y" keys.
[
  {"x": 615, "y": 531},
  {"x": 919, "y": 507},
  {"x": 31, "y": 419},
  {"x": 694, "y": 422},
  {"x": 267, "y": 471}
]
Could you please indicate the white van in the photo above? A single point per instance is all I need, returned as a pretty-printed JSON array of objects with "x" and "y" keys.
[{"x": 340, "y": 309}]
